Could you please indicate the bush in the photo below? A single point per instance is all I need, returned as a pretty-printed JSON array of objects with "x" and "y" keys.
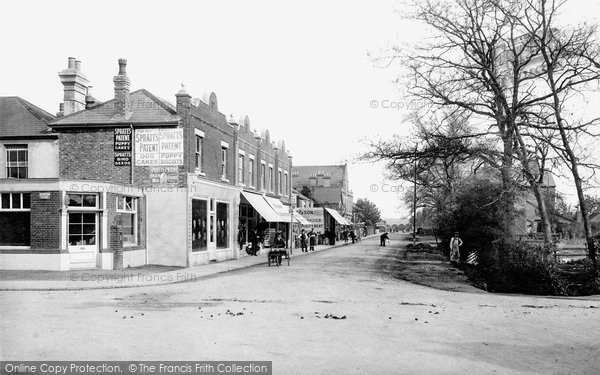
[{"x": 521, "y": 267}]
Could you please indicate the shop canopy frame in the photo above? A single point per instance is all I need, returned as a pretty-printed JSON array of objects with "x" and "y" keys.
[
  {"x": 284, "y": 211},
  {"x": 263, "y": 208},
  {"x": 338, "y": 217}
]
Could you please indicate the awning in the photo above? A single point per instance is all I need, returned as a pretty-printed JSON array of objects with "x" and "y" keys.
[
  {"x": 262, "y": 207},
  {"x": 300, "y": 219},
  {"x": 284, "y": 211},
  {"x": 337, "y": 217}
]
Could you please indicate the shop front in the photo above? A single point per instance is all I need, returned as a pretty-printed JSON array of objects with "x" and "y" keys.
[{"x": 213, "y": 222}]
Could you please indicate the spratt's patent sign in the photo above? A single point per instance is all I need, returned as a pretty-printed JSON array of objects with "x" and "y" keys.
[{"x": 154, "y": 147}]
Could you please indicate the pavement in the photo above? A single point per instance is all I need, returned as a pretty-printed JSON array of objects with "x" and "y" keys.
[{"x": 151, "y": 275}]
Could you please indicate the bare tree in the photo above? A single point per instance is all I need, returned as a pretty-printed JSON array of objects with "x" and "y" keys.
[{"x": 568, "y": 62}]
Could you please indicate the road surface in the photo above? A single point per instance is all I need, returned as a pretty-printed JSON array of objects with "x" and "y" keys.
[{"x": 333, "y": 312}]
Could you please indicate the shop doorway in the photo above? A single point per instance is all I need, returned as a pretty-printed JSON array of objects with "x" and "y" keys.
[{"x": 83, "y": 239}]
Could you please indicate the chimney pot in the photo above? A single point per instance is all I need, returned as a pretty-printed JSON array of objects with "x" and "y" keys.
[
  {"x": 78, "y": 65},
  {"x": 71, "y": 63},
  {"x": 122, "y": 67}
]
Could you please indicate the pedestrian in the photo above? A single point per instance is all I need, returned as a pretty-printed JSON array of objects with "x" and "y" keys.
[
  {"x": 255, "y": 240},
  {"x": 345, "y": 236},
  {"x": 383, "y": 238},
  {"x": 455, "y": 244},
  {"x": 312, "y": 239},
  {"x": 278, "y": 245},
  {"x": 353, "y": 235},
  {"x": 303, "y": 241}
]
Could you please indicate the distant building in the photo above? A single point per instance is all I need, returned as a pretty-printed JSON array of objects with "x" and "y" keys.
[{"x": 329, "y": 186}]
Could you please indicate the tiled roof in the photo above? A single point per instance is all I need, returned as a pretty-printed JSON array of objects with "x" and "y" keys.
[
  {"x": 302, "y": 173},
  {"x": 19, "y": 118},
  {"x": 145, "y": 109},
  {"x": 328, "y": 194}
]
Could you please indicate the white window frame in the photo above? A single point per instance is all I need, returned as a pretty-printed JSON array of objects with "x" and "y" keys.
[
  {"x": 132, "y": 211},
  {"x": 11, "y": 209},
  {"x": 287, "y": 183},
  {"x": 251, "y": 164},
  {"x": 241, "y": 167},
  {"x": 10, "y": 200},
  {"x": 271, "y": 175},
  {"x": 81, "y": 208},
  {"x": 17, "y": 164},
  {"x": 199, "y": 135},
  {"x": 263, "y": 175},
  {"x": 279, "y": 181},
  {"x": 224, "y": 148}
]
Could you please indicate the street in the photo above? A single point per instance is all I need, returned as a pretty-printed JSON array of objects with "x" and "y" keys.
[{"x": 334, "y": 312}]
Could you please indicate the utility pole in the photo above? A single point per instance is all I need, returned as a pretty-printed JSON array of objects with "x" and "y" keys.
[{"x": 415, "y": 204}]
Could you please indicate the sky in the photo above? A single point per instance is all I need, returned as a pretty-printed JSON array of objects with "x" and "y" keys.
[{"x": 300, "y": 69}]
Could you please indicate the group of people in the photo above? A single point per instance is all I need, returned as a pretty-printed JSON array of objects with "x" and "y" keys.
[{"x": 307, "y": 239}]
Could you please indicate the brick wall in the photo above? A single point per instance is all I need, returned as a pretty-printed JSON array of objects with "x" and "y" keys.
[
  {"x": 88, "y": 154},
  {"x": 45, "y": 221}
]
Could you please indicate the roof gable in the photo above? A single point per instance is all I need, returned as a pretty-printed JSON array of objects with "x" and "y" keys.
[
  {"x": 146, "y": 108},
  {"x": 19, "y": 118}
]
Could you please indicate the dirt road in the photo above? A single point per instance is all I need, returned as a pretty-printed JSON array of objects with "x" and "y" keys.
[{"x": 334, "y": 312}]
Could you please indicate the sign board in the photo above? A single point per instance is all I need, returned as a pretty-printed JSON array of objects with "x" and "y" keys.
[
  {"x": 122, "y": 139},
  {"x": 44, "y": 195},
  {"x": 122, "y": 158},
  {"x": 158, "y": 147},
  {"x": 122, "y": 146},
  {"x": 314, "y": 215},
  {"x": 164, "y": 176}
]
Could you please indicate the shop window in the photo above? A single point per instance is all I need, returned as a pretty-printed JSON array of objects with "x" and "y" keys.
[
  {"x": 16, "y": 161},
  {"x": 82, "y": 200},
  {"x": 222, "y": 225},
  {"x": 15, "y": 219},
  {"x": 199, "y": 228},
  {"x": 82, "y": 228},
  {"x": 127, "y": 208}
]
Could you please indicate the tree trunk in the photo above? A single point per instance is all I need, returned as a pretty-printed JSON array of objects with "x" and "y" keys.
[{"x": 535, "y": 187}]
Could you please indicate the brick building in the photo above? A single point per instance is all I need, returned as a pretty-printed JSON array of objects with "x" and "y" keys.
[{"x": 137, "y": 180}]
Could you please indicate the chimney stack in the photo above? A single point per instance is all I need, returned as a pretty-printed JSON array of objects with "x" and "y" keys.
[
  {"x": 75, "y": 87},
  {"x": 122, "y": 104}
]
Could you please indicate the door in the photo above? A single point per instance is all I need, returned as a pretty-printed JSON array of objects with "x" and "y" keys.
[
  {"x": 212, "y": 234},
  {"x": 83, "y": 239}
]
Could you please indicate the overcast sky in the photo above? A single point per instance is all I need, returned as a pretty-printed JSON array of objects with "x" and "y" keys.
[{"x": 300, "y": 69}]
